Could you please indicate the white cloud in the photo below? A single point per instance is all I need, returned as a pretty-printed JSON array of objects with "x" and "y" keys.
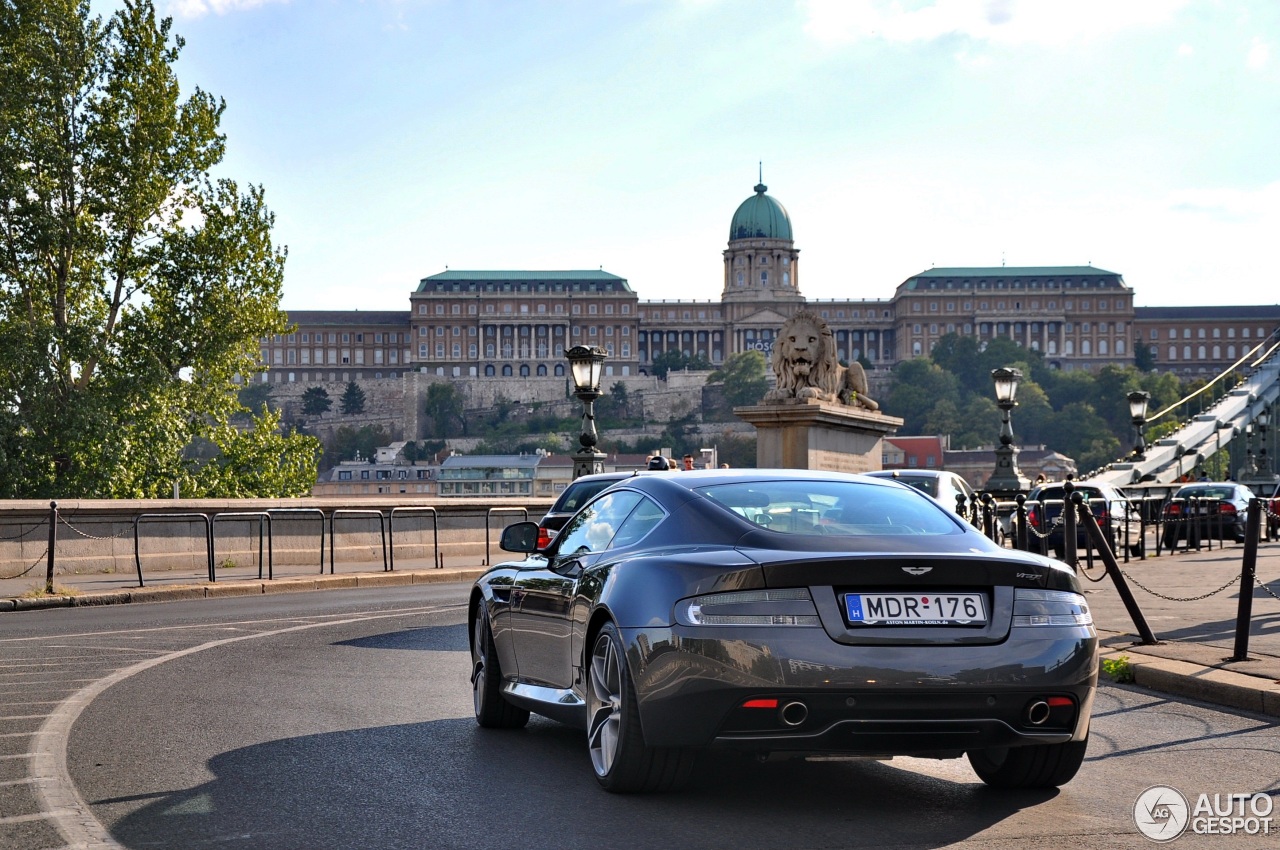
[
  {"x": 998, "y": 21},
  {"x": 200, "y": 8},
  {"x": 1259, "y": 55}
]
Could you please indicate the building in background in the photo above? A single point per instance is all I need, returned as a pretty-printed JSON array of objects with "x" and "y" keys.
[{"x": 516, "y": 324}]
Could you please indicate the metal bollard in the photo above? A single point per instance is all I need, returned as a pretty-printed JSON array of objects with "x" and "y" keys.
[
  {"x": 1020, "y": 529},
  {"x": 1070, "y": 500},
  {"x": 53, "y": 546},
  {"x": 1248, "y": 569}
]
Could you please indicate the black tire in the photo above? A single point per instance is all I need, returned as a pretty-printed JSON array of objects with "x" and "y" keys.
[
  {"x": 619, "y": 757},
  {"x": 1038, "y": 766},
  {"x": 491, "y": 707}
]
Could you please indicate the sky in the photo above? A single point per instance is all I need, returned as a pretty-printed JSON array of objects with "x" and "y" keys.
[{"x": 396, "y": 138}]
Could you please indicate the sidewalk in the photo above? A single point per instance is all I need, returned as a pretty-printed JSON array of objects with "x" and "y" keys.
[{"x": 1196, "y": 635}]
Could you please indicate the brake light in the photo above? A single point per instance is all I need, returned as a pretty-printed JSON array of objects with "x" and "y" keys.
[
  {"x": 544, "y": 537},
  {"x": 1033, "y": 517},
  {"x": 1172, "y": 509},
  {"x": 1058, "y": 702},
  {"x": 760, "y": 703},
  {"x": 1226, "y": 508}
]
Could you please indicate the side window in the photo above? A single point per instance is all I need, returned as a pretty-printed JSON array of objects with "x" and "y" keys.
[
  {"x": 595, "y": 525},
  {"x": 642, "y": 520}
]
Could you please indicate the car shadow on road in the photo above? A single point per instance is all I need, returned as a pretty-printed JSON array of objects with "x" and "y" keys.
[
  {"x": 433, "y": 639},
  {"x": 447, "y": 783}
]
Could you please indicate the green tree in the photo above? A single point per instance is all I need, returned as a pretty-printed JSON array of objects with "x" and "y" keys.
[
  {"x": 745, "y": 378},
  {"x": 255, "y": 395},
  {"x": 675, "y": 361},
  {"x": 352, "y": 399},
  {"x": 347, "y": 441},
  {"x": 918, "y": 385},
  {"x": 444, "y": 405},
  {"x": 315, "y": 401},
  {"x": 133, "y": 286}
]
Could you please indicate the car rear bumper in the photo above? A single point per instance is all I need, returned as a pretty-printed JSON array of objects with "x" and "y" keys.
[{"x": 697, "y": 688}]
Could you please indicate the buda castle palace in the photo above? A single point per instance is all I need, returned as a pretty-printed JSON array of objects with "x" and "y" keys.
[{"x": 516, "y": 324}]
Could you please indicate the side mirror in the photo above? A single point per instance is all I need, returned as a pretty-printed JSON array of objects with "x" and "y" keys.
[{"x": 520, "y": 537}]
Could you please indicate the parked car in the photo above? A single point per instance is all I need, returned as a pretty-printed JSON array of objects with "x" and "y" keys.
[
  {"x": 1206, "y": 510},
  {"x": 790, "y": 613},
  {"x": 1109, "y": 506},
  {"x": 944, "y": 487},
  {"x": 578, "y": 492}
]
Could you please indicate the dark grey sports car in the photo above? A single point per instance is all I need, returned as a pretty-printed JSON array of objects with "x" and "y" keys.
[{"x": 785, "y": 613}]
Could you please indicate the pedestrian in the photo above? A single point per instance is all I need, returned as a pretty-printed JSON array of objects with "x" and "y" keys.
[{"x": 688, "y": 461}]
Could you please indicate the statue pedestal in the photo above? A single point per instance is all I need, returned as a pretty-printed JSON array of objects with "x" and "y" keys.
[{"x": 811, "y": 434}]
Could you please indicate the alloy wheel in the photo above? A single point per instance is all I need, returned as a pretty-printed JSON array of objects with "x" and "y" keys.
[{"x": 604, "y": 705}]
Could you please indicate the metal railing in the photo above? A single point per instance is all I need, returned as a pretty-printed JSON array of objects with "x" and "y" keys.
[
  {"x": 264, "y": 521},
  {"x": 436, "y": 559}
]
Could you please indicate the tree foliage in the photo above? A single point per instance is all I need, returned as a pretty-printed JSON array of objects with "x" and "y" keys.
[
  {"x": 673, "y": 360},
  {"x": 1081, "y": 414},
  {"x": 352, "y": 399},
  {"x": 444, "y": 404},
  {"x": 133, "y": 286},
  {"x": 745, "y": 378},
  {"x": 315, "y": 401}
]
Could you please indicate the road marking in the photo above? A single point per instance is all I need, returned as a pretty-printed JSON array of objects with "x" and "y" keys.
[{"x": 56, "y": 792}]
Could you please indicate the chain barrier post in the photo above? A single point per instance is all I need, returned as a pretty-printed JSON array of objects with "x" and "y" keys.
[
  {"x": 1070, "y": 500},
  {"x": 1094, "y": 532},
  {"x": 53, "y": 545},
  {"x": 989, "y": 516},
  {"x": 1248, "y": 572},
  {"x": 1020, "y": 529}
]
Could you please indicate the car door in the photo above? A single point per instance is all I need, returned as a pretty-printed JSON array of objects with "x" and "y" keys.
[{"x": 542, "y": 597}]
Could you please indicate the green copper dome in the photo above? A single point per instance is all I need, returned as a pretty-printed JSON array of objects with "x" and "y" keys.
[{"x": 760, "y": 217}]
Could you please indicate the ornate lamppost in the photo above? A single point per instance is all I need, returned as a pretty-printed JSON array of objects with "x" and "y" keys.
[
  {"x": 585, "y": 364},
  {"x": 1138, "y": 413},
  {"x": 1006, "y": 481}
]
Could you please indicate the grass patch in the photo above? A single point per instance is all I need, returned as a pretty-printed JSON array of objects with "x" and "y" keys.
[
  {"x": 1118, "y": 669},
  {"x": 58, "y": 590}
]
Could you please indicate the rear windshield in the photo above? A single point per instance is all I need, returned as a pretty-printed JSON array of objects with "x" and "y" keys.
[
  {"x": 1206, "y": 492},
  {"x": 929, "y": 486},
  {"x": 578, "y": 494},
  {"x": 832, "y": 507}
]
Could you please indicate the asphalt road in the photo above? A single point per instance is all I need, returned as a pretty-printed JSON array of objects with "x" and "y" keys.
[{"x": 343, "y": 720}]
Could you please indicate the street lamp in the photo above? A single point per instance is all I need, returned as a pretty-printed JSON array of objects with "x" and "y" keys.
[
  {"x": 1006, "y": 480},
  {"x": 585, "y": 364},
  {"x": 1138, "y": 413},
  {"x": 1250, "y": 463}
]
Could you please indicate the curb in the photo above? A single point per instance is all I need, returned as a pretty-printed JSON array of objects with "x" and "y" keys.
[
  {"x": 1207, "y": 684},
  {"x": 186, "y": 592}
]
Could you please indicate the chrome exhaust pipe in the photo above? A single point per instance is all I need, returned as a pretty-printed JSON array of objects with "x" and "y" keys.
[
  {"x": 794, "y": 713},
  {"x": 1038, "y": 712}
]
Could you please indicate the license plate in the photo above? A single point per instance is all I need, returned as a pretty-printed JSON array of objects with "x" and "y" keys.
[{"x": 915, "y": 609}]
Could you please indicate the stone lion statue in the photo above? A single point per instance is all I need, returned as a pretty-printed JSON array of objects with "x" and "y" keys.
[{"x": 805, "y": 364}]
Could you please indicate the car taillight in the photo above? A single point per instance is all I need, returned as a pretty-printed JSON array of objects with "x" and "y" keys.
[
  {"x": 1035, "y": 607},
  {"x": 1226, "y": 508},
  {"x": 544, "y": 537},
  {"x": 1033, "y": 517},
  {"x": 1172, "y": 509}
]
